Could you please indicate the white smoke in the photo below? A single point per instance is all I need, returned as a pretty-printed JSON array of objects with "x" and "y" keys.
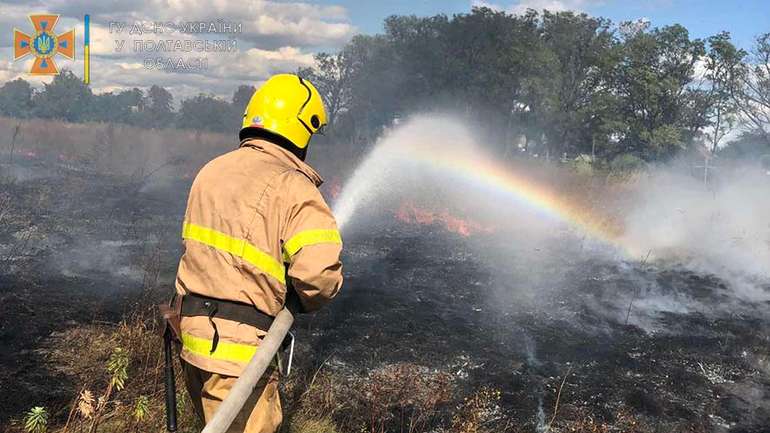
[{"x": 720, "y": 228}]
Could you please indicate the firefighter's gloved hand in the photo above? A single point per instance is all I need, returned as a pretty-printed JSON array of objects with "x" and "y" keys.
[{"x": 293, "y": 303}]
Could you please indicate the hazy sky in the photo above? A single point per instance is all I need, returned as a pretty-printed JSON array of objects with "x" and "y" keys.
[
  {"x": 743, "y": 18},
  {"x": 279, "y": 36}
]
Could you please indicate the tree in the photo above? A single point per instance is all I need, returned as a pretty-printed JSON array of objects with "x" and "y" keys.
[
  {"x": 118, "y": 108},
  {"x": 574, "y": 92},
  {"x": 64, "y": 98},
  {"x": 241, "y": 97},
  {"x": 753, "y": 99},
  {"x": 488, "y": 59},
  {"x": 16, "y": 98},
  {"x": 331, "y": 76},
  {"x": 418, "y": 46},
  {"x": 240, "y": 100},
  {"x": 725, "y": 71},
  {"x": 652, "y": 80},
  {"x": 374, "y": 86},
  {"x": 205, "y": 112},
  {"x": 133, "y": 100},
  {"x": 158, "y": 107}
]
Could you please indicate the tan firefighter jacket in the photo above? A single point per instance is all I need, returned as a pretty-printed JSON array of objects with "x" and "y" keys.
[{"x": 254, "y": 219}]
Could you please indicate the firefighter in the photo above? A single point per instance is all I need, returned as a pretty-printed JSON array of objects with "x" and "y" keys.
[{"x": 257, "y": 235}]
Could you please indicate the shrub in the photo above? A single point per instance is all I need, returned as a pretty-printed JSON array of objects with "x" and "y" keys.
[{"x": 36, "y": 420}]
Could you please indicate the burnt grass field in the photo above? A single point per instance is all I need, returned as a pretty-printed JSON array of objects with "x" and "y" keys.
[{"x": 432, "y": 332}]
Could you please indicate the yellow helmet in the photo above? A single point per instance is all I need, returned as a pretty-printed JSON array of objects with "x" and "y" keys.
[{"x": 287, "y": 106}]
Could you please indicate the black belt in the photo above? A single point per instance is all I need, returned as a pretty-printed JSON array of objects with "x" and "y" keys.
[{"x": 199, "y": 305}]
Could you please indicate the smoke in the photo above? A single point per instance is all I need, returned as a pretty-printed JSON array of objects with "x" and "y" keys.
[
  {"x": 110, "y": 257},
  {"x": 720, "y": 228},
  {"x": 679, "y": 236}
]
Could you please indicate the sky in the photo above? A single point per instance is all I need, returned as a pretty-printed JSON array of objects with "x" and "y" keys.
[
  {"x": 281, "y": 36},
  {"x": 744, "y": 19}
]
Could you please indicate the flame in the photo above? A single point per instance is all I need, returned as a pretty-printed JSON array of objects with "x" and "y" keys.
[
  {"x": 335, "y": 188},
  {"x": 29, "y": 153},
  {"x": 409, "y": 213}
]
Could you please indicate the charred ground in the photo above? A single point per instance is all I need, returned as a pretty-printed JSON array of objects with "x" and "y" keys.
[
  {"x": 427, "y": 298},
  {"x": 80, "y": 247},
  {"x": 77, "y": 247}
]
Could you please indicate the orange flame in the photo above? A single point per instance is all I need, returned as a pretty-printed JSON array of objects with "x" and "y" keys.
[
  {"x": 409, "y": 213},
  {"x": 335, "y": 188}
]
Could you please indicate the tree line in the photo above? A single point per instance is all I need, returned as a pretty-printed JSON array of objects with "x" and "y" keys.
[
  {"x": 543, "y": 84},
  {"x": 554, "y": 84},
  {"x": 67, "y": 98}
]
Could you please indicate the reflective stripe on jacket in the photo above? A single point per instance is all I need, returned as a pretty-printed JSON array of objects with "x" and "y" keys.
[{"x": 254, "y": 219}]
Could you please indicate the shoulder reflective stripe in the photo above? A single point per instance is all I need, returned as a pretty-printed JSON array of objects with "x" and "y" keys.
[
  {"x": 309, "y": 237},
  {"x": 237, "y": 247},
  {"x": 225, "y": 351}
]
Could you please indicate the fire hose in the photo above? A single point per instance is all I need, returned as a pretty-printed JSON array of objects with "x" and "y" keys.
[{"x": 244, "y": 386}]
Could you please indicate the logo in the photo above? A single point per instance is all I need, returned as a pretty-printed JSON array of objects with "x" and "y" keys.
[{"x": 44, "y": 44}]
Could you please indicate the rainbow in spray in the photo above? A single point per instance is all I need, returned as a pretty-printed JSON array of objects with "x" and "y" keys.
[
  {"x": 527, "y": 192},
  {"x": 411, "y": 145}
]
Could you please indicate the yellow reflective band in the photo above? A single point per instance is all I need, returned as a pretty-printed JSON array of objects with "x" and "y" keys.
[
  {"x": 309, "y": 237},
  {"x": 225, "y": 351},
  {"x": 237, "y": 247}
]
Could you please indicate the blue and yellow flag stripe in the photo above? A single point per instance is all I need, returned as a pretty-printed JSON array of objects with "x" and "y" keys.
[{"x": 87, "y": 50}]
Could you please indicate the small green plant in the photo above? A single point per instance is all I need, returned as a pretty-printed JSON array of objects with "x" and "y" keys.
[
  {"x": 117, "y": 366},
  {"x": 36, "y": 420},
  {"x": 141, "y": 408}
]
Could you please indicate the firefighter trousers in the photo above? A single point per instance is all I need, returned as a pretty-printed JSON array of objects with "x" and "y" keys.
[{"x": 260, "y": 414}]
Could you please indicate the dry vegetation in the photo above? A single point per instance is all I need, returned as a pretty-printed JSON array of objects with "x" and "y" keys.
[
  {"x": 112, "y": 148},
  {"x": 119, "y": 374},
  {"x": 131, "y": 151},
  {"x": 116, "y": 369}
]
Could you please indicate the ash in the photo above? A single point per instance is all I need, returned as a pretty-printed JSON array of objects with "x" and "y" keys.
[{"x": 671, "y": 344}]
